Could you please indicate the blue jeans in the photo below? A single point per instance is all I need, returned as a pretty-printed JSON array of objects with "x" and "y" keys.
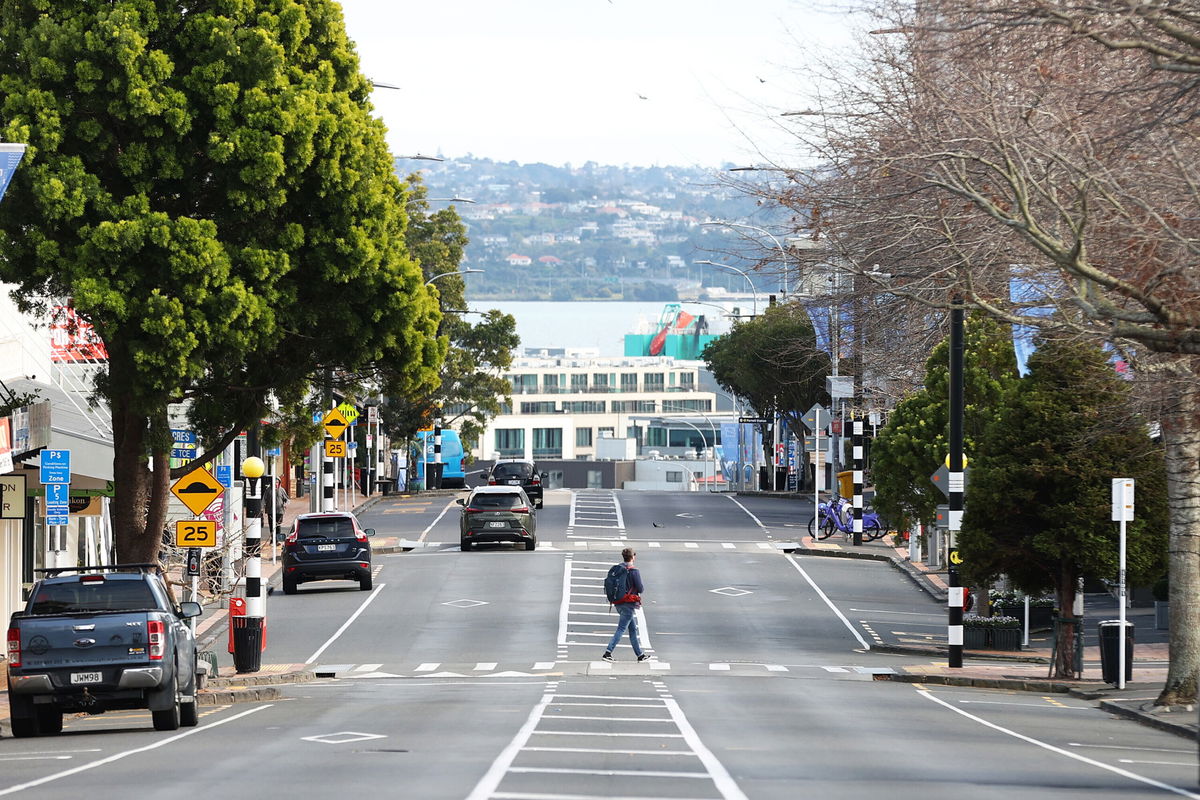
[{"x": 627, "y": 620}]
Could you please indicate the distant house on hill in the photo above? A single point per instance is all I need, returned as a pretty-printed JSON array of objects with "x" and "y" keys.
[
  {"x": 518, "y": 260},
  {"x": 551, "y": 260}
]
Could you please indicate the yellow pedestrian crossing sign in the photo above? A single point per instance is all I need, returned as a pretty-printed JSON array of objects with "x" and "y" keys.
[
  {"x": 335, "y": 424},
  {"x": 349, "y": 412}
]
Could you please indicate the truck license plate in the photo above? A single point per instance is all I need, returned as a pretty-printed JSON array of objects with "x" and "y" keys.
[
  {"x": 497, "y": 524},
  {"x": 324, "y": 548},
  {"x": 85, "y": 677}
]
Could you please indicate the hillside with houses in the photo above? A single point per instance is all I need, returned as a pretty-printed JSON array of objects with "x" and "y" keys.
[{"x": 592, "y": 232}]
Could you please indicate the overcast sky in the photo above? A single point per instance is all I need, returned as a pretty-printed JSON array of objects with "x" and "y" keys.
[{"x": 563, "y": 81}]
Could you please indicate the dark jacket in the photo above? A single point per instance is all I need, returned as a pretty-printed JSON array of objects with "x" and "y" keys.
[{"x": 635, "y": 587}]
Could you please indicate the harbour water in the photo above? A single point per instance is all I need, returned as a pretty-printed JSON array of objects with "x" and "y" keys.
[{"x": 589, "y": 324}]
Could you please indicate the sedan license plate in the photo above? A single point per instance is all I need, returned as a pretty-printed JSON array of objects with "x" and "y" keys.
[
  {"x": 497, "y": 524},
  {"x": 326, "y": 548},
  {"x": 86, "y": 677},
  {"x": 515, "y": 483}
]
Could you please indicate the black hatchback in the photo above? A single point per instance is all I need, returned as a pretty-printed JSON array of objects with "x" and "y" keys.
[
  {"x": 325, "y": 547},
  {"x": 519, "y": 473}
]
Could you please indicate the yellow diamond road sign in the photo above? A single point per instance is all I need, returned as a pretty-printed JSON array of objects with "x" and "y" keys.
[
  {"x": 349, "y": 412},
  {"x": 335, "y": 424},
  {"x": 197, "y": 489}
]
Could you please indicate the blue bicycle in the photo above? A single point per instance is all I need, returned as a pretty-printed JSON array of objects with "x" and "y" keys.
[{"x": 838, "y": 515}]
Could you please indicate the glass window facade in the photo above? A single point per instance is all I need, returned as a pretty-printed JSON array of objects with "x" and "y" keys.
[
  {"x": 543, "y": 407},
  {"x": 510, "y": 442},
  {"x": 547, "y": 442},
  {"x": 583, "y": 437}
]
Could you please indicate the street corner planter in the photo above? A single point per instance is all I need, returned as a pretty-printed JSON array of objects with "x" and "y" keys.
[
  {"x": 975, "y": 638},
  {"x": 1040, "y": 617},
  {"x": 1006, "y": 638}
]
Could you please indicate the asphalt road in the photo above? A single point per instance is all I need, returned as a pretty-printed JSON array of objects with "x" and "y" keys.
[{"x": 476, "y": 675}]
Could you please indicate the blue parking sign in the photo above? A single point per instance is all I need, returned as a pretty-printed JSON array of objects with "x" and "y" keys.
[{"x": 56, "y": 466}]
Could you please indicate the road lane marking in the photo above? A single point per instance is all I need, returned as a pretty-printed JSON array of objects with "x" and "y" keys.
[
  {"x": 425, "y": 532},
  {"x": 137, "y": 750},
  {"x": 1127, "y": 747},
  {"x": 757, "y": 521},
  {"x": 428, "y": 666},
  {"x": 610, "y": 751},
  {"x": 829, "y": 602},
  {"x": 611, "y": 773},
  {"x": 485, "y": 666},
  {"x": 1053, "y": 749},
  {"x": 491, "y": 780},
  {"x": 724, "y": 782},
  {"x": 346, "y": 624}
]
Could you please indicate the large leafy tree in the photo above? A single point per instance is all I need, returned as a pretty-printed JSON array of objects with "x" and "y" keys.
[
  {"x": 470, "y": 382},
  {"x": 1038, "y": 504},
  {"x": 773, "y": 361},
  {"x": 915, "y": 441},
  {"x": 205, "y": 181}
]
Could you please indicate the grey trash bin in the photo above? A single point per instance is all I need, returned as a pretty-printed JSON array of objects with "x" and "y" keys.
[{"x": 1110, "y": 635}]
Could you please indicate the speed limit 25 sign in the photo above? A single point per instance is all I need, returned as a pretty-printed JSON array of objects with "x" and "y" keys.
[{"x": 196, "y": 533}]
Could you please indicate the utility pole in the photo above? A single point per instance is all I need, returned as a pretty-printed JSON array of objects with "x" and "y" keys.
[{"x": 955, "y": 482}]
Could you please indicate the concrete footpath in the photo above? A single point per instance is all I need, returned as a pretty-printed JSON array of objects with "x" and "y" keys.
[{"x": 1026, "y": 670}]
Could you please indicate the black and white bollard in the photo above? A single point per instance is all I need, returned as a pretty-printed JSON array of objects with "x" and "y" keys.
[
  {"x": 248, "y": 629},
  {"x": 856, "y": 445}
]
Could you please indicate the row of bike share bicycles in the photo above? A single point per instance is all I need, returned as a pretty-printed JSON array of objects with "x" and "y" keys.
[{"x": 837, "y": 516}]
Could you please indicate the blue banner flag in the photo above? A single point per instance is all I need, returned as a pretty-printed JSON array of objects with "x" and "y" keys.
[{"x": 10, "y": 157}]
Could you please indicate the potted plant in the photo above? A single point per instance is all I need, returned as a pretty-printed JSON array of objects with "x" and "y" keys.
[
  {"x": 1005, "y": 633},
  {"x": 975, "y": 633},
  {"x": 1010, "y": 604}
]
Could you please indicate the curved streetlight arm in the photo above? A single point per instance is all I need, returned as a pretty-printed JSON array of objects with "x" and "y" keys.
[
  {"x": 711, "y": 425},
  {"x": 456, "y": 272},
  {"x": 741, "y": 272},
  {"x": 778, "y": 244}
]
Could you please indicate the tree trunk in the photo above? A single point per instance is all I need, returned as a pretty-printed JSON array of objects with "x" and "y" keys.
[
  {"x": 1064, "y": 667},
  {"x": 131, "y": 477},
  {"x": 1181, "y": 435}
]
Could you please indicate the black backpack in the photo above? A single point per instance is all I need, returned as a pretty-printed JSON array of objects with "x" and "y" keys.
[{"x": 616, "y": 583}]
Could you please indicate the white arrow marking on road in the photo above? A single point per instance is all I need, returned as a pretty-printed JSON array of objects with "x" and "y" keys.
[
  {"x": 689, "y": 515},
  {"x": 342, "y": 737}
]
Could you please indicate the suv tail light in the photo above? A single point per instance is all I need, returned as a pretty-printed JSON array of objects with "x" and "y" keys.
[
  {"x": 14, "y": 647},
  {"x": 520, "y": 510},
  {"x": 291, "y": 537},
  {"x": 360, "y": 534},
  {"x": 491, "y": 481},
  {"x": 158, "y": 642}
]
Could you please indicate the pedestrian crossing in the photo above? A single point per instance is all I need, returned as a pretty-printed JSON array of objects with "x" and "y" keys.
[
  {"x": 595, "y": 514},
  {"x": 615, "y": 545},
  {"x": 625, "y": 666},
  {"x": 577, "y": 733}
]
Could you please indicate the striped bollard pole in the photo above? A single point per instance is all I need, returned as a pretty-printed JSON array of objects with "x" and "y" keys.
[
  {"x": 957, "y": 596},
  {"x": 248, "y": 629},
  {"x": 437, "y": 451},
  {"x": 856, "y": 444}
]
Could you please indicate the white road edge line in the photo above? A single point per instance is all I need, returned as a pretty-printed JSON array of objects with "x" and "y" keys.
[
  {"x": 491, "y": 780},
  {"x": 757, "y": 521},
  {"x": 565, "y": 606},
  {"x": 1044, "y": 745},
  {"x": 118, "y": 756},
  {"x": 720, "y": 777},
  {"x": 829, "y": 603},
  {"x": 346, "y": 624},
  {"x": 425, "y": 532}
]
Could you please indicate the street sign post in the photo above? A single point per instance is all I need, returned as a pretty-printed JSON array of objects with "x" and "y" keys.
[
  {"x": 58, "y": 503},
  {"x": 196, "y": 533},
  {"x": 56, "y": 466},
  {"x": 335, "y": 423},
  {"x": 197, "y": 490},
  {"x": 335, "y": 448},
  {"x": 754, "y": 420}
]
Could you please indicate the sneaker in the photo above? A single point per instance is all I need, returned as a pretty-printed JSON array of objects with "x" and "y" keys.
[
  {"x": 607, "y": 656},
  {"x": 643, "y": 657}
]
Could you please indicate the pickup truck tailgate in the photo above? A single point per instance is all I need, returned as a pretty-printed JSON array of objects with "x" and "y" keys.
[{"x": 99, "y": 639}]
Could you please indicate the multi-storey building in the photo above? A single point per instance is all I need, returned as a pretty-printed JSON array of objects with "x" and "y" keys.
[{"x": 563, "y": 404}]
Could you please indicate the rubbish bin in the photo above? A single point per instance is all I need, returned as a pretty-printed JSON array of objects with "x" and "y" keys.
[
  {"x": 1110, "y": 634},
  {"x": 435, "y": 474},
  {"x": 384, "y": 485},
  {"x": 846, "y": 483},
  {"x": 247, "y": 643}
]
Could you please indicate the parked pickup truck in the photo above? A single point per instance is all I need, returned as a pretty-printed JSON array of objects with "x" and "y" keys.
[{"x": 98, "y": 639}]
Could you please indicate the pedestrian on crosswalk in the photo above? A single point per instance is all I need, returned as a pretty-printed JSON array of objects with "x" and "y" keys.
[{"x": 627, "y": 603}]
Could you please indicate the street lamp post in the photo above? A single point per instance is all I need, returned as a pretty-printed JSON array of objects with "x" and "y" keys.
[
  {"x": 778, "y": 244},
  {"x": 741, "y": 272},
  {"x": 697, "y": 430},
  {"x": 713, "y": 445}
]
